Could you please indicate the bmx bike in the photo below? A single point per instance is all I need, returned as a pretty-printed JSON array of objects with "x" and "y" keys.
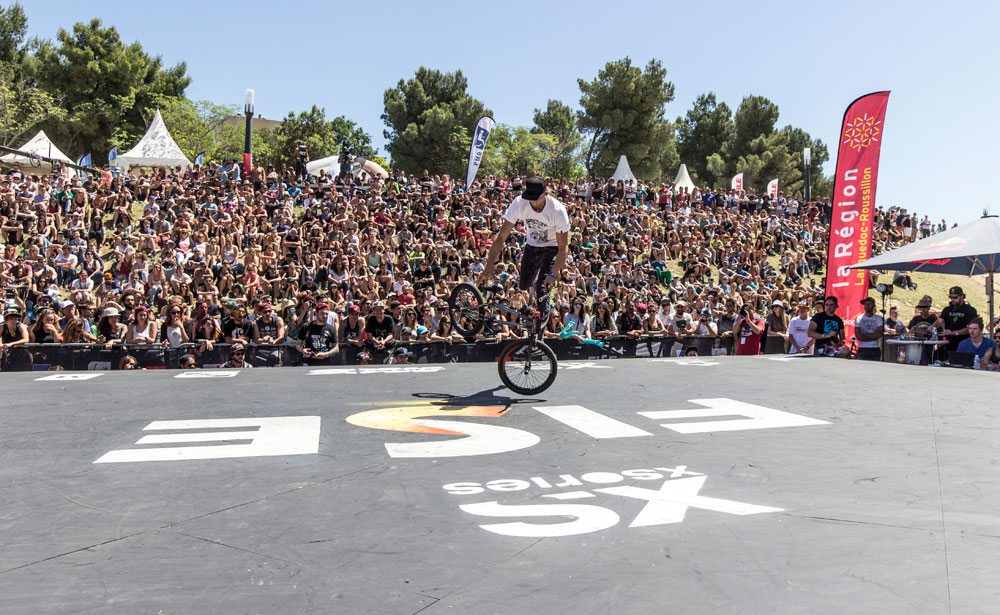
[{"x": 527, "y": 366}]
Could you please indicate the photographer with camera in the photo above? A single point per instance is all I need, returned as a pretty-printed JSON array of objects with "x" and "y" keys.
[{"x": 749, "y": 329}]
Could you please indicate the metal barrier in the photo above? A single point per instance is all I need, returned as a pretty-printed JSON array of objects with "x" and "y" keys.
[{"x": 82, "y": 357}]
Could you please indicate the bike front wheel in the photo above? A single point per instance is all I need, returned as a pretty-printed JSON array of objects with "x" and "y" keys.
[
  {"x": 468, "y": 310},
  {"x": 527, "y": 367}
]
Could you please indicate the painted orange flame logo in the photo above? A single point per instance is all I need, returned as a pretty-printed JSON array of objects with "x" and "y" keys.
[{"x": 861, "y": 132}]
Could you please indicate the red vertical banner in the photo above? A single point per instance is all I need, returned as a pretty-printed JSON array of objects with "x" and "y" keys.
[{"x": 854, "y": 202}]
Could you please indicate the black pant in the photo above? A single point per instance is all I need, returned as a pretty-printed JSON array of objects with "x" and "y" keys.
[
  {"x": 870, "y": 354},
  {"x": 535, "y": 265}
]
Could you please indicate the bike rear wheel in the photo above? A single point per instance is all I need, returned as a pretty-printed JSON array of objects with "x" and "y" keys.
[
  {"x": 527, "y": 367},
  {"x": 468, "y": 310}
]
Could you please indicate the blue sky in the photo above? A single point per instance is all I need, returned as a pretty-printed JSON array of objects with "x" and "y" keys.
[{"x": 940, "y": 62}]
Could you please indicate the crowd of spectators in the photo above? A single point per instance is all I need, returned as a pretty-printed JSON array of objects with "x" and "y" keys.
[{"x": 198, "y": 256}]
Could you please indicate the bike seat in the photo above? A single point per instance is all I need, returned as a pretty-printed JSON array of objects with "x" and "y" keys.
[{"x": 494, "y": 289}]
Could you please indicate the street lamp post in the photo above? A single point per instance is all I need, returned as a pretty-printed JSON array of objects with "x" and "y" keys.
[
  {"x": 247, "y": 142},
  {"x": 807, "y": 160}
]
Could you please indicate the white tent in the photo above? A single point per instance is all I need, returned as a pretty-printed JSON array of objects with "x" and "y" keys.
[
  {"x": 683, "y": 180},
  {"x": 39, "y": 145},
  {"x": 623, "y": 172},
  {"x": 359, "y": 165},
  {"x": 328, "y": 164},
  {"x": 155, "y": 149}
]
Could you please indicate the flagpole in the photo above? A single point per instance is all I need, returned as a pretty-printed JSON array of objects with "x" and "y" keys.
[{"x": 248, "y": 142}]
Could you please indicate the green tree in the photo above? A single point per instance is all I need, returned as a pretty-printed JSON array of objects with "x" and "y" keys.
[
  {"x": 13, "y": 34},
  {"x": 559, "y": 121},
  {"x": 623, "y": 113},
  {"x": 348, "y": 133},
  {"x": 755, "y": 116},
  {"x": 429, "y": 122},
  {"x": 705, "y": 131},
  {"x": 520, "y": 151},
  {"x": 228, "y": 145},
  {"x": 798, "y": 140},
  {"x": 23, "y": 105},
  {"x": 311, "y": 127},
  {"x": 322, "y": 137},
  {"x": 195, "y": 125},
  {"x": 108, "y": 87}
]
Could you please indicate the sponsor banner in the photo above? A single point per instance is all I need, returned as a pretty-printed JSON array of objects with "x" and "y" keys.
[
  {"x": 737, "y": 183},
  {"x": 854, "y": 202},
  {"x": 113, "y": 156},
  {"x": 483, "y": 129},
  {"x": 199, "y": 159},
  {"x": 772, "y": 188}
]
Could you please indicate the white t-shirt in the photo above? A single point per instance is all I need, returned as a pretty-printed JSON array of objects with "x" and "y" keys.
[
  {"x": 541, "y": 226},
  {"x": 868, "y": 324},
  {"x": 798, "y": 328}
]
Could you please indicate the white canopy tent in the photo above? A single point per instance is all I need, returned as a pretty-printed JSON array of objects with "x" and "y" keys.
[
  {"x": 155, "y": 149},
  {"x": 40, "y": 145},
  {"x": 623, "y": 172},
  {"x": 359, "y": 165},
  {"x": 683, "y": 179}
]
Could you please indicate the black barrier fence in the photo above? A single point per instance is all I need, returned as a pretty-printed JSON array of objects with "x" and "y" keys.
[{"x": 81, "y": 357}]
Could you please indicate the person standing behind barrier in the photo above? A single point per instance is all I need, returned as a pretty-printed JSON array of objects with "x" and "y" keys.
[
  {"x": 172, "y": 331},
  {"x": 13, "y": 334},
  {"x": 954, "y": 320},
  {"x": 143, "y": 329},
  {"x": 777, "y": 329},
  {"x": 747, "y": 332},
  {"x": 828, "y": 329},
  {"x": 869, "y": 327},
  {"x": 268, "y": 329},
  {"x": 318, "y": 340},
  {"x": 799, "y": 341}
]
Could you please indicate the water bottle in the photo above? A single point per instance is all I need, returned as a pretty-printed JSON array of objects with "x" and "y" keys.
[
  {"x": 975, "y": 362},
  {"x": 934, "y": 335}
]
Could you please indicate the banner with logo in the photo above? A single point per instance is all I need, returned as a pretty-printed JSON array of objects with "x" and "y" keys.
[
  {"x": 199, "y": 159},
  {"x": 737, "y": 183},
  {"x": 772, "y": 188},
  {"x": 85, "y": 160},
  {"x": 483, "y": 129},
  {"x": 854, "y": 201}
]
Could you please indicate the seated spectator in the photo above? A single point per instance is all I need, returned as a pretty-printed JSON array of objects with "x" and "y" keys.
[
  {"x": 110, "y": 329},
  {"x": 268, "y": 328},
  {"x": 143, "y": 329},
  {"x": 976, "y": 343},
  {"x": 318, "y": 339}
]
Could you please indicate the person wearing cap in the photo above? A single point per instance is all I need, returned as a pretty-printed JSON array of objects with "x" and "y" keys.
[
  {"x": 546, "y": 224},
  {"x": 110, "y": 329},
  {"x": 799, "y": 341},
  {"x": 954, "y": 319},
  {"x": 922, "y": 324},
  {"x": 237, "y": 358},
  {"x": 401, "y": 356},
  {"x": 13, "y": 334},
  {"x": 868, "y": 329},
  {"x": 318, "y": 339},
  {"x": 268, "y": 328},
  {"x": 352, "y": 329}
]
